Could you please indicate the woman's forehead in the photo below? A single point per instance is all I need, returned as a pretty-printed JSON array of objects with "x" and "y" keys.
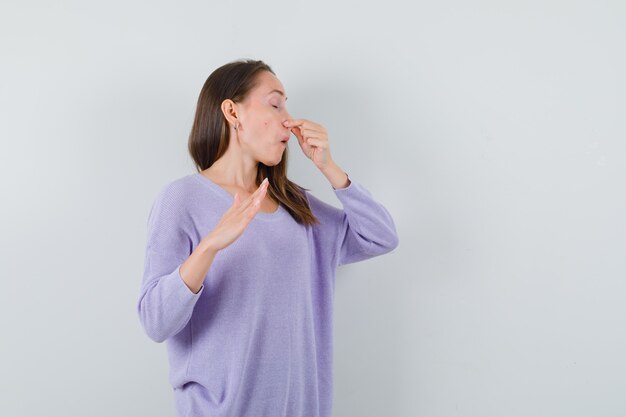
[{"x": 269, "y": 86}]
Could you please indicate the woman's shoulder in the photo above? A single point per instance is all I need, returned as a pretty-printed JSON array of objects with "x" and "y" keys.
[
  {"x": 177, "y": 193},
  {"x": 325, "y": 212},
  {"x": 179, "y": 186}
]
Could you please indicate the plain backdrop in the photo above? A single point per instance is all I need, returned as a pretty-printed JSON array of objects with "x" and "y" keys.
[{"x": 492, "y": 131}]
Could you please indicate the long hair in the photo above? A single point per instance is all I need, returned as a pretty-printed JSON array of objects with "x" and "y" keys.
[{"x": 210, "y": 136}]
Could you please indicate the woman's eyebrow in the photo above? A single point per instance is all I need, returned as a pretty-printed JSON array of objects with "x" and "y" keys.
[{"x": 279, "y": 92}]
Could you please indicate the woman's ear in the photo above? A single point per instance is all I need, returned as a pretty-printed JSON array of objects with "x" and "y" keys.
[{"x": 229, "y": 109}]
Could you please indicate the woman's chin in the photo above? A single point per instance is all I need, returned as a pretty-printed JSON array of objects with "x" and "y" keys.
[{"x": 272, "y": 162}]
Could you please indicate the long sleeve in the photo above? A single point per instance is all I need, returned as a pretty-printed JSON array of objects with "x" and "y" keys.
[
  {"x": 166, "y": 303},
  {"x": 366, "y": 228}
]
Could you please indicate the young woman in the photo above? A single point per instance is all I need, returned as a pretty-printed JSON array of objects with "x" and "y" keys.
[{"x": 240, "y": 262}]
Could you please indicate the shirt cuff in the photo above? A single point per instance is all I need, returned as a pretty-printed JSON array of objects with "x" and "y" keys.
[{"x": 183, "y": 292}]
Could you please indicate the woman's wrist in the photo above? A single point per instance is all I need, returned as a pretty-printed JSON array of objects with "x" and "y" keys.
[{"x": 206, "y": 246}]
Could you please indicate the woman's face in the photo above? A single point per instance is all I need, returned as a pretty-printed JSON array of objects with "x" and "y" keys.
[{"x": 261, "y": 116}]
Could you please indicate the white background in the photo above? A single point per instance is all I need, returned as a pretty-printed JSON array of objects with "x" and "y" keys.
[{"x": 493, "y": 132}]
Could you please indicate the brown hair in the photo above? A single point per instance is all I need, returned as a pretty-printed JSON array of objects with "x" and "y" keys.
[{"x": 210, "y": 136}]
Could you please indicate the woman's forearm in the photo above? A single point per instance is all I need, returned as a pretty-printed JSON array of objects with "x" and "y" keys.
[{"x": 196, "y": 266}]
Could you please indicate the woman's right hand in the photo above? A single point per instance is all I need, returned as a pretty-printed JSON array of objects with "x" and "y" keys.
[{"x": 236, "y": 219}]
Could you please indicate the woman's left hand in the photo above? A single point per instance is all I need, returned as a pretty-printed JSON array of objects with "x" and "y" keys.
[{"x": 313, "y": 140}]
